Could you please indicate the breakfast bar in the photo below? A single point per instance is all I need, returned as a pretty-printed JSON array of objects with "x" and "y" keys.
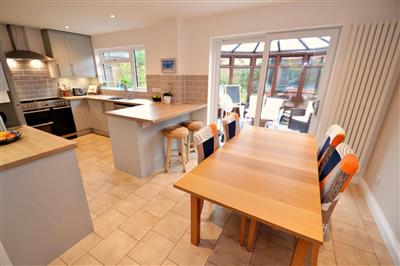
[{"x": 135, "y": 132}]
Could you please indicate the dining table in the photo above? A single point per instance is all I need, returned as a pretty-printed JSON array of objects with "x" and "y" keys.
[{"x": 264, "y": 174}]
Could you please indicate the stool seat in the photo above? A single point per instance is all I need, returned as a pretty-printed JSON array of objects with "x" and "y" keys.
[
  {"x": 175, "y": 132},
  {"x": 193, "y": 125}
]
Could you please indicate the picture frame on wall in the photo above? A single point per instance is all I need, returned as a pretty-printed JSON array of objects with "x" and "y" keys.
[{"x": 168, "y": 65}]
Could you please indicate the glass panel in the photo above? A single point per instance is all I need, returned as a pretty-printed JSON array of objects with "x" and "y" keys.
[
  {"x": 116, "y": 75},
  {"x": 315, "y": 43},
  {"x": 291, "y": 60},
  {"x": 241, "y": 77},
  {"x": 260, "y": 47},
  {"x": 327, "y": 38},
  {"x": 274, "y": 46},
  {"x": 223, "y": 77},
  {"x": 288, "y": 82},
  {"x": 115, "y": 55},
  {"x": 228, "y": 47},
  {"x": 291, "y": 44},
  {"x": 256, "y": 79},
  {"x": 311, "y": 81},
  {"x": 268, "y": 81},
  {"x": 246, "y": 47},
  {"x": 140, "y": 61},
  {"x": 242, "y": 61},
  {"x": 224, "y": 61},
  {"x": 316, "y": 59},
  {"x": 271, "y": 61},
  {"x": 259, "y": 61}
]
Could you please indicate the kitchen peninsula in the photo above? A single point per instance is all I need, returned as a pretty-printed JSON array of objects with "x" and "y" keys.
[{"x": 135, "y": 132}]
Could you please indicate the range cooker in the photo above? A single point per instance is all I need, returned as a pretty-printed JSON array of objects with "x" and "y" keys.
[{"x": 53, "y": 115}]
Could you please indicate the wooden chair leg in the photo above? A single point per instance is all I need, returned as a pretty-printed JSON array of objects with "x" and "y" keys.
[
  {"x": 167, "y": 155},
  {"x": 252, "y": 233},
  {"x": 182, "y": 141},
  {"x": 188, "y": 141},
  {"x": 243, "y": 223}
]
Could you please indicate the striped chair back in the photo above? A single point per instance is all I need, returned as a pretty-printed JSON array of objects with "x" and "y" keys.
[
  {"x": 333, "y": 137},
  {"x": 334, "y": 178},
  {"x": 231, "y": 126},
  {"x": 206, "y": 141}
]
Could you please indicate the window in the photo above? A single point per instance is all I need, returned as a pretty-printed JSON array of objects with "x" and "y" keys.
[{"x": 122, "y": 68}]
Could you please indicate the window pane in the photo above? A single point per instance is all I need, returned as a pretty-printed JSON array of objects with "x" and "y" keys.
[
  {"x": 224, "y": 61},
  {"x": 315, "y": 43},
  {"x": 241, "y": 77},
  {"x": 311, "y": 81},
  {"x": 288, "y": 82},
  {"x": 291, "y": 44},
  {"x": 228, "y": 47},
  {"x": 258, "y": 61},
  {"x": 118, "y": 74},
  {"x": 140, "y": 61},
  {"x": 260, "y": 47},
  {"x": 246, "y": 47},
  {"x": 271, "y": 61},
  {"x": 274, "y": 46},
  {"x": 223, "y": 77},
  {"x": 292, "y": 60},
  {"x": 316, "y": 59},
  {"x": 116, "y": 55},
  {"x": 256, "y": 78},
  {"x": 268, "y": 81},
  {"x": 242, "y": 61}
]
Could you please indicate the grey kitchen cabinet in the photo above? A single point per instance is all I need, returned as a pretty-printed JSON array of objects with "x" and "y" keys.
[
  {"x": 97, "y": 116},
  {"x": 81, "y": 115},
  {"x": 73, "y": 54}
]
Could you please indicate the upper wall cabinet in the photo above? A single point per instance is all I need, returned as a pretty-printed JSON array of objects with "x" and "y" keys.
[{"x": 73, "y": 54}]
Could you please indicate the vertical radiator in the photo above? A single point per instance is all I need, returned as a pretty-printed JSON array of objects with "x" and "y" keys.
[{"x": 371, "y": 66}]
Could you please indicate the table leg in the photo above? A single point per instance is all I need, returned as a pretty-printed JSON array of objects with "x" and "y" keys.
[
  {"x": 314, "y": 254},
  {"x": 243, "y": 222},
  {"x": 252, "y": 234},
  {"x": 300, "y": 252},
  {"x": 195, "y": 211}
]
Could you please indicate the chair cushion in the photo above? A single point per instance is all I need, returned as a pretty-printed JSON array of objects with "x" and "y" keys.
[
  {"x": 193, "y": 125},
  {"x": 175, "y": 132}
]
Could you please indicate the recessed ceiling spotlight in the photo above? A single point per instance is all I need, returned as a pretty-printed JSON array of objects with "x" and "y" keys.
[
  {"x": 112, "y": 16},
  {"x": 67, "y": 27}
]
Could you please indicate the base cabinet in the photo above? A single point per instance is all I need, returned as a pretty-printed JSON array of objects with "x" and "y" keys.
[
  {"x": 97, "y": 115},
  {"x": 81, "y": 115}
]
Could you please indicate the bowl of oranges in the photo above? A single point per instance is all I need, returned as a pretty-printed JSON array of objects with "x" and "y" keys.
[{"x": 9, "y": 136}]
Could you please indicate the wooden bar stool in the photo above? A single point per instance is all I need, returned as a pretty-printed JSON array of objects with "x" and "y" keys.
[
  {"x": 193, "y": 126},
  {"x": 180, "y": 134}
]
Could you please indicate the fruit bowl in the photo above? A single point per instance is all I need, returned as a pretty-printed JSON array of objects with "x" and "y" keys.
[{"x": 9, "y": 136}]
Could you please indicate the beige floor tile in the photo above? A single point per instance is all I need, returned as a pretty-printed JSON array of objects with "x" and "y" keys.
[
  {"x": 210, "y": 232},
  {"x": 87, "y": 260},
  {"x": 172, "y": 226},
  {"x": 80, "y": 248},
  {"x": 269, "y": 253},
  {"x": 351, "y": 235},
  {"x": 229, "y": 252},
  {"x": 348, "y": 202},
  {"x": 367, "y": 216},
  {"x": 139, "y": 224},
  {"x": 102, "y": 203},
  {"x": 130, "y": 205},
  {"x": 108, "y": 222},
  {"x": 113, "y": 248},
  {"x": 276, "y": 236},
  {"x": 382, "y": 254},
  {"x": 56, "y": 262},
  {"x": 232, "y": 227},
  {"x": 158, "y": 206},
  {"x": 347, "y": 255},
  {"x": 116, "y": 177},
  {"x": 185, "y": 253},
  {"x": 98, "y": 188},
  {"x": 183, "y": 207},
  {"x": 167, "y": 262},
  {"x": 215, "y": 214},
  {"x": 126, "y": 261},
  {"x": 374, "y": 233},
  {"x": 148, "y": 191},
  {"x": 172, "y": 193},
  {"x": 123, "y": 189},
  {"x": 347, "y": 216},
  {"x": 326, "y": 257},
  {"x": 152, "y": 249},
  {"x": 163, "y": 179}
]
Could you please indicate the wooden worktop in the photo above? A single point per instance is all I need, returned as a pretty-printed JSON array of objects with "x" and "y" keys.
[
  {"x": 156, "y": 112},
  {"x": 33, "y": 145},
  {"x": 108, "y": 98}
]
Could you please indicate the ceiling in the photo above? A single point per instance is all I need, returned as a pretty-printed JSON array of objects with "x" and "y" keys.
[{"x": 93, "y": 16}]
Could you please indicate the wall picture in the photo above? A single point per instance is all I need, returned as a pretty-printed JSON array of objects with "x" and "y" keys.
[{"x": 168, "y": 65}]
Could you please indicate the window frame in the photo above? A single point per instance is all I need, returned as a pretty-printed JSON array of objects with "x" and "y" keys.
[{"x": 132, "y": 60}]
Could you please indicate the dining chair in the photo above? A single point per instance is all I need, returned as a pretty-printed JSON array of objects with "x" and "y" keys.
[
  {"x": 231, "y": 126},
  {"x": 333, "y": 137},
  {"x": 206, "y": 141},
  {"x": 333, "y": 180}
]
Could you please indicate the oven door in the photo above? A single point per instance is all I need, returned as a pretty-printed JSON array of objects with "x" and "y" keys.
[
  {"x": 64, "y": 125},
  {"x": 40, "y": 119}
]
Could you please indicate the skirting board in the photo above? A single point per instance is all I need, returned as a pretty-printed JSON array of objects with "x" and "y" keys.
[{"x": 381, "y": 221}]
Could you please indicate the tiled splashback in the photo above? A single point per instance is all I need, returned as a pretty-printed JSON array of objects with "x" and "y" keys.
[{"x": 32, "y": 79}]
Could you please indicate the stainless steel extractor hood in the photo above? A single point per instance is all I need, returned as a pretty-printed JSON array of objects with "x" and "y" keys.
[{"x": 20, "y": 45}]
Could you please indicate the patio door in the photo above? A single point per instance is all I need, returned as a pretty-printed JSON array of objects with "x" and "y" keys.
[{"x": 294, "y": 78}]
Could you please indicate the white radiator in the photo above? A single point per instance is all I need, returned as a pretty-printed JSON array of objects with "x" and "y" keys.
[{"x": 367, "y": 83}]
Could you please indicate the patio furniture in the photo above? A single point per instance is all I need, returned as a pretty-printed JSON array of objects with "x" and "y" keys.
[
  {"x": 271, "y": 110},
  {"x": 234, "y": 92},
  {"x": 300, "y": 118},
  {"x": 231, "y": 126},
  {"x": 333, "y": 137},
  {"x": 264, "y": 188}
]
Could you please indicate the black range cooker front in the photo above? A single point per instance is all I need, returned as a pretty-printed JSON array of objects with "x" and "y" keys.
[{"x": 53, "y": 115}]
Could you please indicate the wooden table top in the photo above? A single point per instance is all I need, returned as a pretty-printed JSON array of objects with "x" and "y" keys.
[
  {"x": 156, "y": 112},
  {"x": 269, "y": 175},
  {"x": 33, "y": 145}
]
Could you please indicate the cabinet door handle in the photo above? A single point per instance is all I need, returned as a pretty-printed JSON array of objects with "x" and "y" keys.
[
  {"x": 37, "y": 111},
  {"x": 44, "y": 124},
  {"x": 63, "y": 107}
]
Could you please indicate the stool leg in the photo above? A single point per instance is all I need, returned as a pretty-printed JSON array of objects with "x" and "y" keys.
[
  {"x": 167, "y": 155},
  {"x": 182, "y": 140},
  {"x": 188, "y": 142}
]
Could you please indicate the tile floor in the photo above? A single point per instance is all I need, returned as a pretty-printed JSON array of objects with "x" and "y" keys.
[{"x": 146, "y": 222}]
